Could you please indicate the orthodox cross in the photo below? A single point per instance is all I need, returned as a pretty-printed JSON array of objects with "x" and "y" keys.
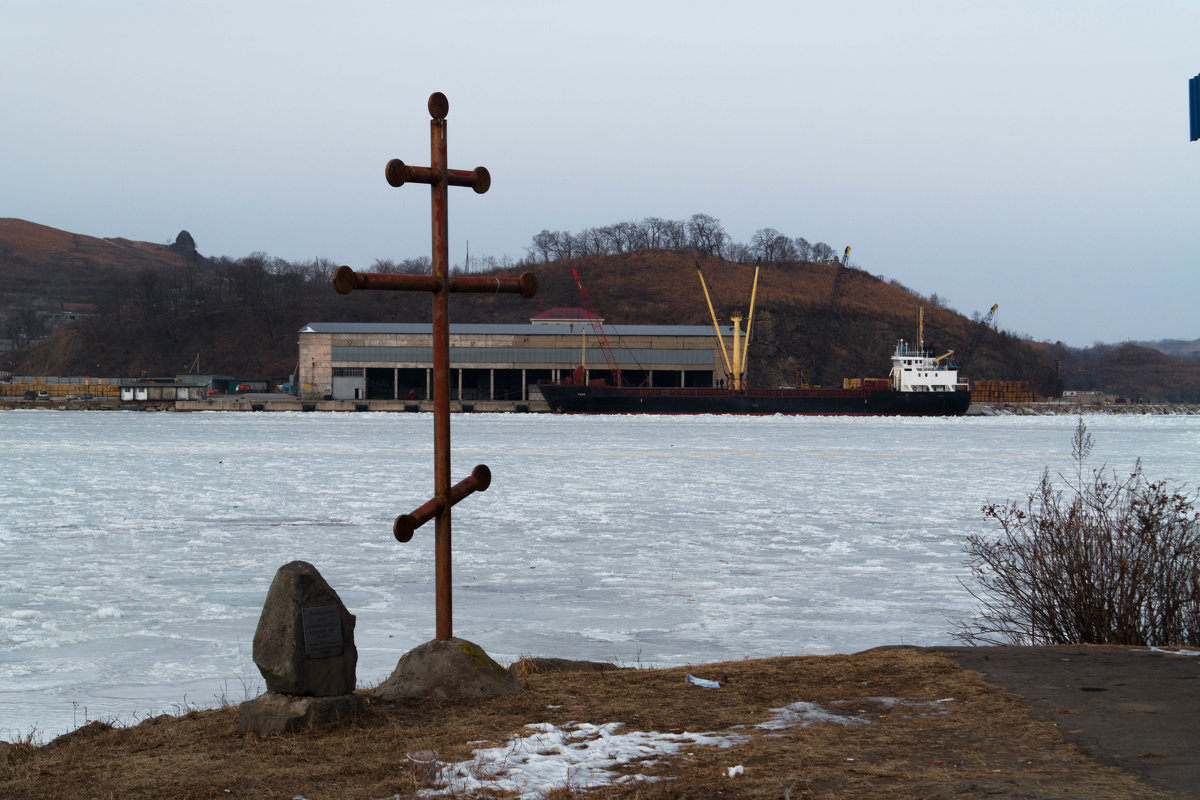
[{"x": 440, "y": 284}]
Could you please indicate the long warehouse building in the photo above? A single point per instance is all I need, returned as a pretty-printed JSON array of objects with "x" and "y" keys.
[{"x": 495, "y": 367}]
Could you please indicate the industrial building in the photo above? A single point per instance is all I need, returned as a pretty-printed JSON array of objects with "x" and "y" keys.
[{"x": 496, "y": 367}]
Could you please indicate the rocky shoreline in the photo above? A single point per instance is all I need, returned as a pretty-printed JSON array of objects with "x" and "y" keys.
[{"x": 1065, "y": 407}]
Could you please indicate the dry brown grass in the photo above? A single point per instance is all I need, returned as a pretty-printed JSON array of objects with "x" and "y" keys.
[{"x": 987, "y": 743}]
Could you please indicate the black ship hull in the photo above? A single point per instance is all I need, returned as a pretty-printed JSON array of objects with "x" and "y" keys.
[{"x": 569, "y": 399}]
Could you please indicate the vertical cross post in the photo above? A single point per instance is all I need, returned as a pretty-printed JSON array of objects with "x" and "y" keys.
[{"x": 440, "y": 283}]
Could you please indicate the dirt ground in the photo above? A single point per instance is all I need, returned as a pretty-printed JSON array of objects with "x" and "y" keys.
[{"x": 926, "y": 723}]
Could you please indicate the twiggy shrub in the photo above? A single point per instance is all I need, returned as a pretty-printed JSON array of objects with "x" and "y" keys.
[{"x": 1108, "y": 561}]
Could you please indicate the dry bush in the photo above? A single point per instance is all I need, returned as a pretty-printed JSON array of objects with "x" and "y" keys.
[{"x": 1110, "y": 561}]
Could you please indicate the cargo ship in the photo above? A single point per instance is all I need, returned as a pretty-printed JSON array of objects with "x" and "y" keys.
[{"x": 919, "y": 384}]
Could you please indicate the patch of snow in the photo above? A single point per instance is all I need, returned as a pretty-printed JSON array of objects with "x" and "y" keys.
[
  {"x": 801, "y": 714},
  {"x": 579, "y": 755},
  {"x": 707, "y": 684},
  {"x": 1172, "y": 652}
]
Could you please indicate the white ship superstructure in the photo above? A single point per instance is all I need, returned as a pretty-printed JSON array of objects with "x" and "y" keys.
[{"x": 916, "y": 370}]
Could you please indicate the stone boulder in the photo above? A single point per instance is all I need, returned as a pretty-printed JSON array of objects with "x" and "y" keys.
[
  {"x": 272, "y": 713},
  {"x": 304, "y": 643},
  {"x": 447, "y": 668},
  {"x": 184, "y": 243}
]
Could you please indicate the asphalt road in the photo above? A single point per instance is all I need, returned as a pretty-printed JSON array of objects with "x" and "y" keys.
[{"x": 1134, "y": 708}]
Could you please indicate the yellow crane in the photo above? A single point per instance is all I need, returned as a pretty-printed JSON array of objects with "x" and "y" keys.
[{"x": 737, "y": 369}]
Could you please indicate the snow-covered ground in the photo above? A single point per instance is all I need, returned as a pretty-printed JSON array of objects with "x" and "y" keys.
[{"x": 137, "y": 548}]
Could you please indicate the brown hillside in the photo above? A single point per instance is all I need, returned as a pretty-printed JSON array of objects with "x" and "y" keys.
[
  {"x": 795, "y": 329},
  {"x": 155, "y": 309},
  {"x": 43, "y": 267},
  {"x": 1129, "y": 371},
  {"x": 29, "y": 242},
  {"x": 245, "y": 321}
]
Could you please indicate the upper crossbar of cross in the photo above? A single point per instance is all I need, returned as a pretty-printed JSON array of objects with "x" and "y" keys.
[{"x": 440, "y": 284}]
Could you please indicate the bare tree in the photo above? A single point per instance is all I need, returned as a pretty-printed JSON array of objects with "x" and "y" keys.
[
  {"x": 23, "y": 327},
  {"x": 656, "y": 230},
  {"x": 785, "y": 250},
  {"x": 802, "y": 248},
  {"x": 545, "y": 245},
  {"x": 421, "y": 265},
  {"x": 584, "y": 244},
  {"x": 740, "y": 252},
  {"x": 765, "y": 242},
  {"x": 592, "y": 242},
  {"x": 706, "y": 234},
  {"x": 675, "y": 234},
  {"x": 639, "y": 236},
  {"x": 771, "y": 245},
  {"x": 568, "y": 245},
  {"x": 618, "y": 237}
]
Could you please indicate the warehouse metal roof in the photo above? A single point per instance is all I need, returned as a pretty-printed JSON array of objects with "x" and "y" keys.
[{"x": 523, "y": 330}]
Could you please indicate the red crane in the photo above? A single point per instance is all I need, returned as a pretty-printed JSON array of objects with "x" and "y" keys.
[{"x": 598, "y": 329}]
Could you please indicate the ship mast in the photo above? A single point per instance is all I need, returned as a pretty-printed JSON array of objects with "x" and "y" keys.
[{"x": 738, "y": 367}]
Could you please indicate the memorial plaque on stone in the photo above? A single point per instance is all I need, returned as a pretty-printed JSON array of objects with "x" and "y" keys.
[
  {"x": 304, "y": 642},
  {"x": 322, "y": 632}
]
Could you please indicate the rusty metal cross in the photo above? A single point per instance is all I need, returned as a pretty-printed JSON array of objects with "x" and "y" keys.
[{"x": 440, "y": 283}]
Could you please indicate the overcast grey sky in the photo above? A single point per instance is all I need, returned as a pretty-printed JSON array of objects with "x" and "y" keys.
[{"x": 1031, "y": 154}]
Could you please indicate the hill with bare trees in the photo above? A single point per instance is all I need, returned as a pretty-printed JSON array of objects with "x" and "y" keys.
[{"x": 76, "y": 305}]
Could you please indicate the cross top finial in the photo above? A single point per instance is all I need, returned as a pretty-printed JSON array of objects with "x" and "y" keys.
[
  {"x": 437, "y": 175},
  {"x": 439, "y": 106}
]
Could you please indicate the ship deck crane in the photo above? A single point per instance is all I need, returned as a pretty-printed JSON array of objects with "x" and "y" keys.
[
  {"x": 598, "y": 329},
  {"x": 921, "y": 338},
  {"x": 737, "y": 369}
]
